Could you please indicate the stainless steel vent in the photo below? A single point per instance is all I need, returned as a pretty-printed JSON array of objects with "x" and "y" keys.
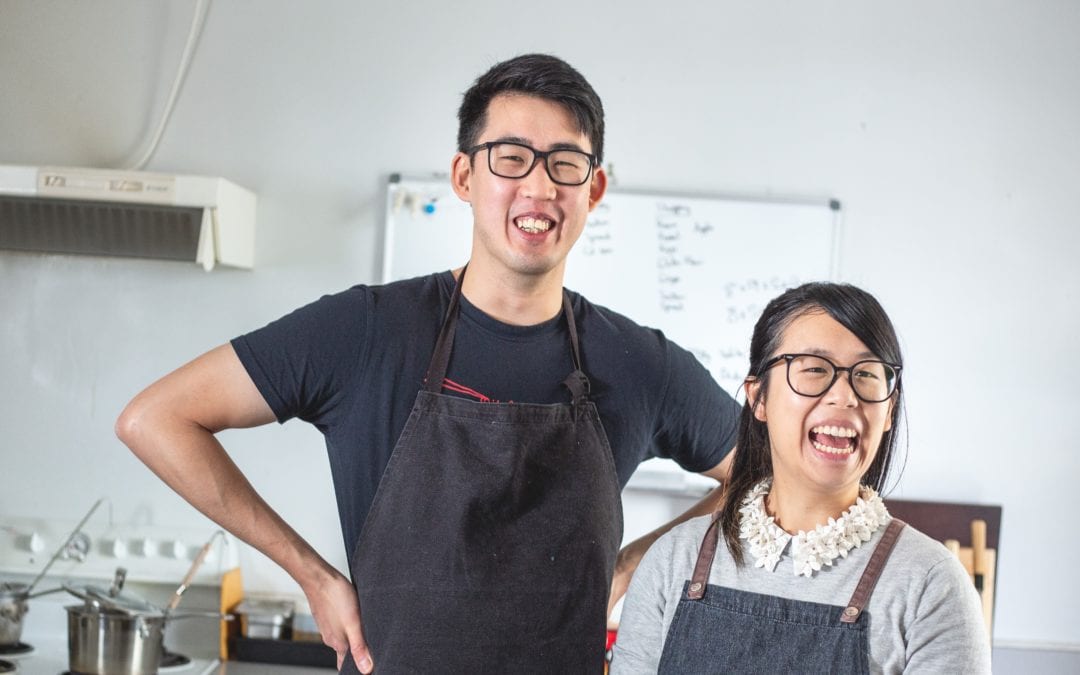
[{"x": 100, "y": 228}]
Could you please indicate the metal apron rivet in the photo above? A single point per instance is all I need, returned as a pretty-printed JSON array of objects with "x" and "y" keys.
[
  {"x": 851, "y": 611},
  {"x": 695, "y": 587}
]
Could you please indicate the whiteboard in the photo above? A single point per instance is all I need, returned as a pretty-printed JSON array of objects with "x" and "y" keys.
[{"x": 699, "y": 267}]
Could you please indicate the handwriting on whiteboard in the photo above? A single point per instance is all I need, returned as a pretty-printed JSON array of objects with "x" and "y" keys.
[
  {"x": 688, "y": 257},
  {"x": 711, "y": 274}
]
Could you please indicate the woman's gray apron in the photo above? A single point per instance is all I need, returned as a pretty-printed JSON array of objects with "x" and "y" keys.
[
  {"x": 492, "y": 539},
  {"x": 722, "y": 630}
]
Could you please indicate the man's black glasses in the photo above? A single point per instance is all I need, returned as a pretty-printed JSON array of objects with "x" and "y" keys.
[{"x": 516, "y": 160}]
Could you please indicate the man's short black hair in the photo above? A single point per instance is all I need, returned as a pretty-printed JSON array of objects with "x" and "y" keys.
[{"x": 540, "y": 75}]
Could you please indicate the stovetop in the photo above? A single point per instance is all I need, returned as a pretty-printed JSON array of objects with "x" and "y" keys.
[
  {"x": 156, "y": 559},
  {"x": 52, "y": 659},
  {"x": 45, "y": 650}
]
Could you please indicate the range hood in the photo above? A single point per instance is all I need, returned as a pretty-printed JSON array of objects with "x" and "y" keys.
[{"x": 208, "y": 221}]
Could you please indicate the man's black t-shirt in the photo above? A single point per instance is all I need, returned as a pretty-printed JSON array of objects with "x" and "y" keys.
[{"x": 352, "y": 364}]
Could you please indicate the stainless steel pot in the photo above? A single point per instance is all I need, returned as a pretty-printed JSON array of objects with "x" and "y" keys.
[
  {"x": 12, "y": 610},
  {"x": 261, "y": 618},
  {"x": 114, "y": 633},
  {"x": 13, "y": 607},
  {"x": 105, "y": 641}
]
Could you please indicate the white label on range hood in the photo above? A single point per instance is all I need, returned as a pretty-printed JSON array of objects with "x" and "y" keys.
[{"x": 125, "y": 186}]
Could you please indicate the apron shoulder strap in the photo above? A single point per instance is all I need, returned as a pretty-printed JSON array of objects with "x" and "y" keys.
[
  {"x": 870, "y": 575},
  {"x": 577, "y": 382},
  {"x": 709, "y": 542},
  {"x": 440, "y": 358}
]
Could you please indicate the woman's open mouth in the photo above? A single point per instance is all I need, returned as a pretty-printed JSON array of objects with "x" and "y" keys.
[{"x": 834, "y": 440}]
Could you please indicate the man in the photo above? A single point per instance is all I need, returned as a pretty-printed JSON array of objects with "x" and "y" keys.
[{"x": 496, "y": 416}]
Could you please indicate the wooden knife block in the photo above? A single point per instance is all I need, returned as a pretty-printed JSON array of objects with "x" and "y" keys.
[{"x": 966, "y": 554}]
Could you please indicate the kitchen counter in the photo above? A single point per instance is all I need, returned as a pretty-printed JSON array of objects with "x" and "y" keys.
[
  {"x": 54, "y": 661},
  {"x": 245, "y": 668},
  {"x": 41, "y": 666}
]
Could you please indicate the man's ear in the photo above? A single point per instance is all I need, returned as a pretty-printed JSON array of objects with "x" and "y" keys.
[
  {"x": 752, "y": 387},
  {"x": 460, "y": 176},
  {"x": 597, "y": 187}
]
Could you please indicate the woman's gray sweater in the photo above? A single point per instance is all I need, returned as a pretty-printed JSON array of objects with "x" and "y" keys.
[{"x": 925, "y": 615}]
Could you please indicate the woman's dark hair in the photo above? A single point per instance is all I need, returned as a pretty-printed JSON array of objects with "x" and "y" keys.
[
  {"x": 860, "y": 313},
  {"x": 539, "y": 75}
]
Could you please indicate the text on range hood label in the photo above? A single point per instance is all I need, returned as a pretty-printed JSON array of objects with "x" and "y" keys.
[{"x": 67, "y": 183}]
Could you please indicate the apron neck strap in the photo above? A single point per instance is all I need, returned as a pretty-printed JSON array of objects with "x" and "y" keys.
[
  {"x": 576, "y": 382},
  {"x": 872, "y": 573}
]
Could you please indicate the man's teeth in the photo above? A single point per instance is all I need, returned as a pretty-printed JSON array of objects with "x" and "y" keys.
[
  {"x": 533, "y": 225},
  {"x": 838, "y": 432}
]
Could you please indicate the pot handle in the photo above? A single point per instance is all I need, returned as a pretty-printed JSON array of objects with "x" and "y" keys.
[
  {"x": 220, "y": 616},
  {"x": 78, "y": 594},
  {"x": 48, "y": 592},
  {"x": 90, "y": 601}
]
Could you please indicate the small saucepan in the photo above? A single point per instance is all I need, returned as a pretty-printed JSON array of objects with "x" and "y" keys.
[{"x": 13, "y": 608}]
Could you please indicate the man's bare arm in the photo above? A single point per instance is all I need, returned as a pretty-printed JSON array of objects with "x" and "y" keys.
[
  {"x": 631, "y": 554},
  {"x": 170, "y": 426}
]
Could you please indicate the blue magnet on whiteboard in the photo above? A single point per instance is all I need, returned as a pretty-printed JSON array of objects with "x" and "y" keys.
[{"x": 429, "y": 207}]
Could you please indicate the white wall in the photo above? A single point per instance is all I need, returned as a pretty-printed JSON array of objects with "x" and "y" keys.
[{"x": 948, "y": 130}]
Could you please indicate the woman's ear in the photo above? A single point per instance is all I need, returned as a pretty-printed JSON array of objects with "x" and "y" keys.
[
  {"x": 891, "y": 412},
  {"x": 752, "y": 387}
]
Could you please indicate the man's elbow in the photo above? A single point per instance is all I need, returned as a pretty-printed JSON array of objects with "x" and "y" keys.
[{"x": 131, "y": 425}]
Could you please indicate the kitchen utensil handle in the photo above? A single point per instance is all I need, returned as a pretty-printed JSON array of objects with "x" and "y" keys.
[
  {"x": 978, "y": 548},
  {"x": 41, "y": 593},
  {"x": 203, "y": 615},
  {"x": 195, "y": 565},
  {"x": 64, "y": 546}
]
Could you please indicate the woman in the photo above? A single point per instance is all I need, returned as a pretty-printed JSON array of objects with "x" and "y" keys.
[{"x": 792, "y": 588}]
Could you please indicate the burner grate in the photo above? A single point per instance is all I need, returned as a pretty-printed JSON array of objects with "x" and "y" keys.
[
  {"x": 17, "y": 649},
  {"x": 172, "y": 660},
  {"x": 6, "y": 666}
]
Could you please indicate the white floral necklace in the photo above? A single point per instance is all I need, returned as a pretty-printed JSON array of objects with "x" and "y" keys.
[{"x": 809, "y": 550}]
